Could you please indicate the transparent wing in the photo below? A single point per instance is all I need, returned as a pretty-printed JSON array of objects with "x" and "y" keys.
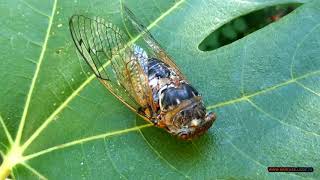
[
  {"x": 105, "y": 49},
  {"x": 150, "y": 40}
]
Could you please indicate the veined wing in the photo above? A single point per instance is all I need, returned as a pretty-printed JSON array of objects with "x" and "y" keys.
[
  {"x": 158, "y": 51},
  {"x": 117, "y": 65}
]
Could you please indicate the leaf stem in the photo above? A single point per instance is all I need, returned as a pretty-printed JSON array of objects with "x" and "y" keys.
[
  {"x": 12, "y": 158},
  {"x": 5, "y": 169}
]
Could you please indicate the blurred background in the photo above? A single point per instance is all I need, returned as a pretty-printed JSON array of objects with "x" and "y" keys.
[{"x": 244, "y": 25}]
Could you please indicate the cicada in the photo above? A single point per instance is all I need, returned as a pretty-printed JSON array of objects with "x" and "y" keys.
[{"x": 141, "y": 74}]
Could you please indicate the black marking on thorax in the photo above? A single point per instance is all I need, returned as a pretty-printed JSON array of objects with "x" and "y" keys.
[
  {"x": 173, "y": 96},
  {"x": 168, "y": 94}
]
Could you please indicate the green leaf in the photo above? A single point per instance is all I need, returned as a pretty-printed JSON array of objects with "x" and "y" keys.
[{"x": 58, "y": 122}]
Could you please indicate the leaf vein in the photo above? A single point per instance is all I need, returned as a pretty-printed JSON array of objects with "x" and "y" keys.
[
  {"x": 307, "y": 88},
  {"x": 277, "y": 119},
  {"x": 34, "y": 171},
  {"x": 87, "y": 139},
  {"x": 33, "y": 82},
  {"x": 85, "y": 159},
  {"x": 6, "y": 130},
  {"x": 53, "y": 115},
  {"x": 160, "y": 156},
  {"x": 297, "y": 47},
  {"x": 112, "y": 163},
  {"x": 242, "y": 70},
  {"x": 242, "y": 152},
  {"x": 34, "y": 9},
  {"x": 232, "y": 101},
  {"x": 246, "y": 155}
]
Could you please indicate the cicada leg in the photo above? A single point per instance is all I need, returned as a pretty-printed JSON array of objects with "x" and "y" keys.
[
  {"x": 153, "y": 117},
  {"x": 146, "y": 111},
  {"x": 158, "y": 122}
]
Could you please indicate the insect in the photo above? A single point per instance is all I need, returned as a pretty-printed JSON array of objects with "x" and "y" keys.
[{"x": 141, "y": 75}]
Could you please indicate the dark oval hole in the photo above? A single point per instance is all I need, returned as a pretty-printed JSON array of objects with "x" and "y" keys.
[{"x": 244, "y": 25}]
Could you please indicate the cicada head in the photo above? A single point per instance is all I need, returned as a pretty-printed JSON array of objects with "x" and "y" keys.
[{"x": 192, "y": 121}]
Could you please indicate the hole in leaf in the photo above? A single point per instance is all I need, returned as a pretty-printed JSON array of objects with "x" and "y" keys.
[{"x": 244, "y": 25}]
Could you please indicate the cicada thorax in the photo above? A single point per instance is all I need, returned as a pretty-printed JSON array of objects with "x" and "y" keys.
[{"x": 177, "y": 101}]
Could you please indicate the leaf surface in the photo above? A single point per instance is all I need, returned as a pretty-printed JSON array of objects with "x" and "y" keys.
[{"x": 59, "y": 122}]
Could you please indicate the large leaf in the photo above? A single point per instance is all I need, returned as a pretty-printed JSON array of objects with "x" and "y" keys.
[{"x": 58, "y": 122}]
